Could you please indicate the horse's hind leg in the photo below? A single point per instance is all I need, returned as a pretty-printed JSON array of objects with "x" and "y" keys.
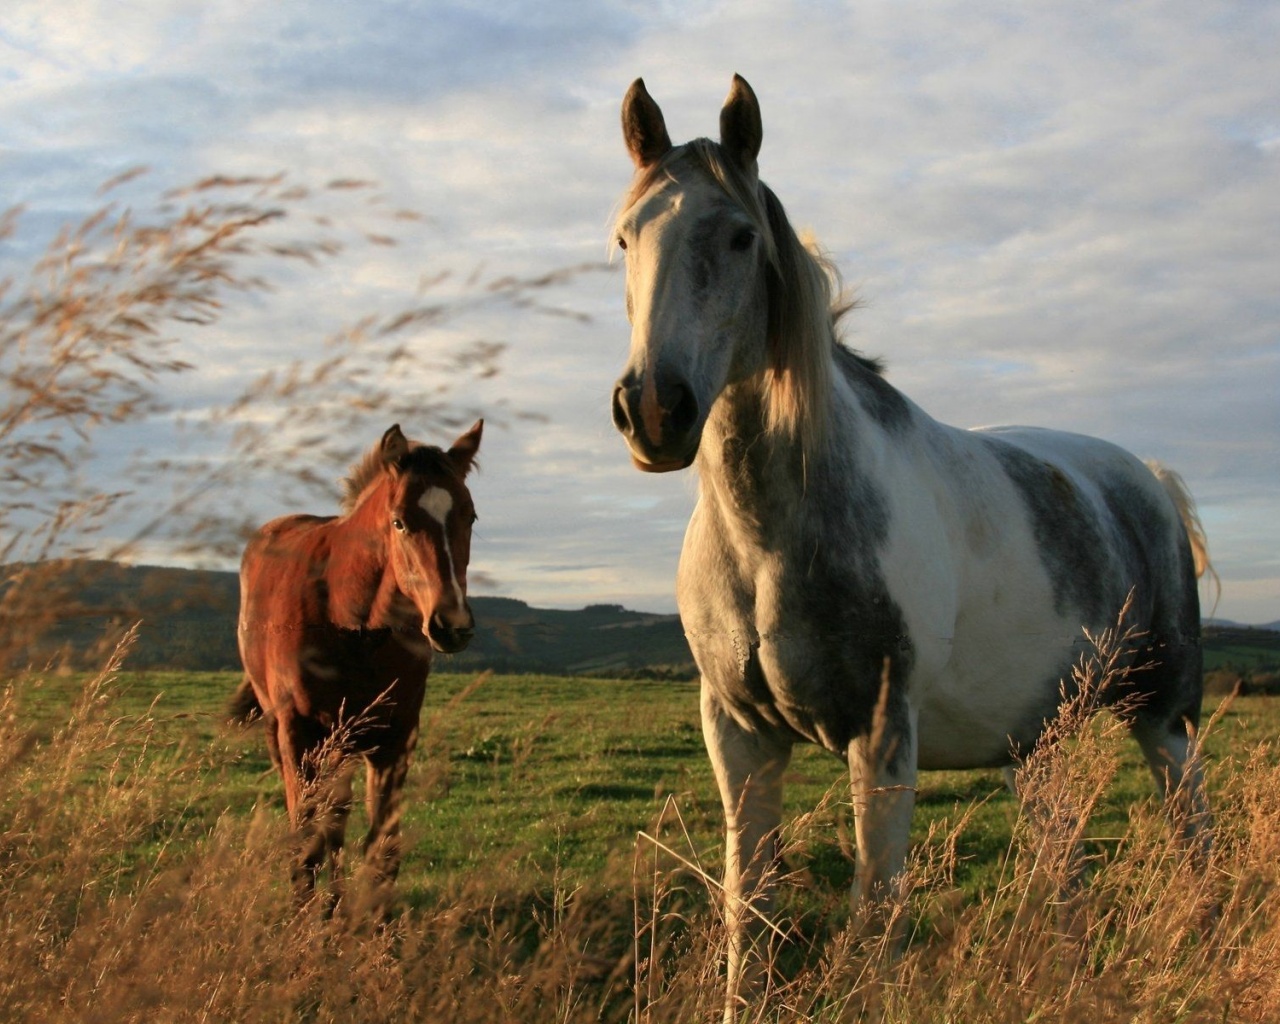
[{"x": 1173, "y": 755}]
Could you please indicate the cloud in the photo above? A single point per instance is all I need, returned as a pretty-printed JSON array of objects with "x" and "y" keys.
[{"x": 1053, "y": 214}]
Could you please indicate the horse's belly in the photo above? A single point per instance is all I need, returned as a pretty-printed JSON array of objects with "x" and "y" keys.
[
  {"x": 984, "y": 710},
  {"x": 969, "y": 736}
]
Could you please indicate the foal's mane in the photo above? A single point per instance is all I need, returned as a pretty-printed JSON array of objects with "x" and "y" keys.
[
  {"x": 806, "y": 296},
  {"x": 421, "y": 458}
]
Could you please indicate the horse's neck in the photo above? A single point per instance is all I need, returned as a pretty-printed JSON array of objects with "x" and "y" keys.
[
  {"x": 754, "y": 476},
  {"x": 362, "y": 587},
  {"x": 771, "y": 490}
]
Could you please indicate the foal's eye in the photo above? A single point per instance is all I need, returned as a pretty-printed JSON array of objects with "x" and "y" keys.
[
  {"x": 398, "y": 524},
  {"x": 742, "y": 239},
  {"x": 622, "y": 243}
]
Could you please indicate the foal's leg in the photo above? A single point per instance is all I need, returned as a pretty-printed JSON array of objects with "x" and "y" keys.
[
  {"x": 271, "y": 727},
  {"x": 882, "y": 773},
  {"x": 318, "y": 795},
  {"x": 292, "y": 746},
  {"x": 333, "y": 795},
  {"x": 748, "y": 767},
  {"x": 385, "y": 776}
]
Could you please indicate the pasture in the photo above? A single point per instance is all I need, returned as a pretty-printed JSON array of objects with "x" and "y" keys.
[{"x": 557, "y": 831}]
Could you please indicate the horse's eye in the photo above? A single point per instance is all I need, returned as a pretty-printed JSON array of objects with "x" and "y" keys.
[
  {"x": 742, "y": 239},
  {"x": 622, "y": 243},
  {"x": 398, "y": 524}
]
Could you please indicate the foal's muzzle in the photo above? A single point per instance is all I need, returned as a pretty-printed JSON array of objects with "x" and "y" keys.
[
  {"x": 450, "y": 632},
  {"x": 659, "y": 422}
]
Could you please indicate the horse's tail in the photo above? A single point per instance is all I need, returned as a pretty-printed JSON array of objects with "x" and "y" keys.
[
  {"x": 243, "y": 707},
  {"x": 1180, "y": 495}
]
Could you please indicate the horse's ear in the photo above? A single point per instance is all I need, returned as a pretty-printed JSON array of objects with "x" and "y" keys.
[
  {"x": 643, "y": 127},
  {"x": 462, "y": 452},
  {"x": 741, "y": 131},
  {"x": 395, "y": 446}
]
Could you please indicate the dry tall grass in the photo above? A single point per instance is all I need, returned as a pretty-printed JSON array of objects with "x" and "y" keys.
[
  {"x": 1145, "y": 929},
  {"x": 200, "y": 926}
]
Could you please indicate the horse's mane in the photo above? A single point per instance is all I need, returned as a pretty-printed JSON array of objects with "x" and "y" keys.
[
  {"x": 806, "y": 297},
  {"x": 421, "y": 458}
]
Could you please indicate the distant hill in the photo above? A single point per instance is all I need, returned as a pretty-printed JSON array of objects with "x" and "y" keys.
[
  {"x": 600, "y": 639},
  {"x": 1266, "y": 627},
  {"x": 189, "y": 622}
]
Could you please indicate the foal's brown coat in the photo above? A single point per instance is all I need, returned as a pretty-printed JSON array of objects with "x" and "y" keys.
[{"x": 338, "y": 618}]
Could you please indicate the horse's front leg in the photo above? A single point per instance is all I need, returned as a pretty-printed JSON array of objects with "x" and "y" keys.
[
  {"x": 882, "y": 772},
  {"x": 749, "y": 767}
]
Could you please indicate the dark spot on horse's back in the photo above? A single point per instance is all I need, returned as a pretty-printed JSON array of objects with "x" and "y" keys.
[
  {"x": 1062, "y": 488},
  {"x": 1067, "y": 536}
]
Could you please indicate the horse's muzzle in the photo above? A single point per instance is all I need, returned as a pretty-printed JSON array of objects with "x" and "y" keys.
[
  {"x": 449, "y": 635},
  {"x": 659, "y": 422}
]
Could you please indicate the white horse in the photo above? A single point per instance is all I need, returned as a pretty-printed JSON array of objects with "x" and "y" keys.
[{"x": 842, "y": 537}]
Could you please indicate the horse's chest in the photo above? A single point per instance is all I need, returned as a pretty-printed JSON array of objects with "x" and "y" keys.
[
  {"x": 344, "y": 673},
  {"x": 801, "y": 652}
]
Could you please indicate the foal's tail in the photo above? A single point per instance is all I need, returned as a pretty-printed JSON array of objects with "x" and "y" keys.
[
  {"x": 1180, "y": 495},
  {"x": 243, "y": 707}
]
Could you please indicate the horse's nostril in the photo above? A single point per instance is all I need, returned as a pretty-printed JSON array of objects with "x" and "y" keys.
[
  {"x": 457, "y": 622},
  {"x": 684, "y": 413},
  {"x": 621, "y": 417},
  {"x": 451, "y": 639}
]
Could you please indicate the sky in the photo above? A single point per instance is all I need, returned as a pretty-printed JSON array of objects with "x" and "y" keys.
[{"x": 1057, "y": 213}]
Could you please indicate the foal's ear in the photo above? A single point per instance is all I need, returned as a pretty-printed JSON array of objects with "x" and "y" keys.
[
  {"x": 395, "y": 446},
  {"x": 462, "y": 452},
  {"x": 643, "y": 127},
  {"x": 740, "y": 129}
]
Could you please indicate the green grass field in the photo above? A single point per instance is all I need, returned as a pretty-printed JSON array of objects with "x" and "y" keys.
[
  {"x": 525, "y": 812},
  {"x": 528, "y": 776}
]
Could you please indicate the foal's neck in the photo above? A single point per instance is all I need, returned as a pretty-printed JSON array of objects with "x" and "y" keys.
[{"x": 362, "y": 587}]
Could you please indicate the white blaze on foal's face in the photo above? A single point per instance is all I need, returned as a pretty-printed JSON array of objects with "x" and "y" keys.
[{"x": 437, "y": 503}]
